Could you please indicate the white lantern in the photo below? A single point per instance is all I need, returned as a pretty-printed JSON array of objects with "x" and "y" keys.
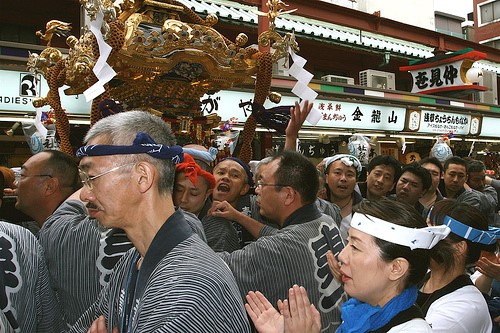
[
  {"x": 441, "y": 150},
  {"x": 359, "y": 147},
  {"x": 474, "y": 75}
]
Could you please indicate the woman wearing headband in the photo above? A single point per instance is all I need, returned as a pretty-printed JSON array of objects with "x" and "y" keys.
[
  {"x": 386, "y": 257},
  {"x": 449, "y": 300}
]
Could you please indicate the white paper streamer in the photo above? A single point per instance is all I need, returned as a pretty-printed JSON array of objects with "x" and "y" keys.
[
  {"x": 38, "y": 123},
  {"x": 102, "y": 70},
  {"x": 472, "y": 147},
  {"x": 301, "y": 88}
]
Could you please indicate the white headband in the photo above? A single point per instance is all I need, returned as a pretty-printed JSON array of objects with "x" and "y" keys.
[
  {"x": 348, "y": 160},
  {"x": 414, "y": 238}
]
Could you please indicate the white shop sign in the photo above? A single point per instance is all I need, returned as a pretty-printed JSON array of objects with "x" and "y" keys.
[
  {"x": 18, "y": 89},
  {"x": 335, "y": 114}
]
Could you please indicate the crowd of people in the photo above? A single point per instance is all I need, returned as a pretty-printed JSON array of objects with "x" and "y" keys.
[{"x": 141, "y": 235}]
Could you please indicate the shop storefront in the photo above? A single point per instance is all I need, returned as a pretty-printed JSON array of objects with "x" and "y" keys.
[
  {"x": 17, "y": 115},
  {"x": 401, "y": 124},
  {"x": 397, "y": 122}
]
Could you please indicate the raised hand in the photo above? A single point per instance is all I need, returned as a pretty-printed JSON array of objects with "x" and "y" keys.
[{"x": 334, "y": 266}]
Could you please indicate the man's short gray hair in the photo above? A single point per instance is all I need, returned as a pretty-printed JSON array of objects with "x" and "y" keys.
[{"x": 121, "y": 129}]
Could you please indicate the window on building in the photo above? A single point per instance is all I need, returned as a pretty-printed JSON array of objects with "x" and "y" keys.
[
  {"x": 19, "y": 34},
  {"x": 490, "y": 12},
  {"x": 493, "y": 43}
]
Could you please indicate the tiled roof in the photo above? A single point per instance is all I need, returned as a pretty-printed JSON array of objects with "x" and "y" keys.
[
  {"x": 310, "y": 27},
  {"x": 329, "y": 32}
]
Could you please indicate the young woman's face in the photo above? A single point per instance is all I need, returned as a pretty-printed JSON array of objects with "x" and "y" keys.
[{"x": 364, "y": 274}]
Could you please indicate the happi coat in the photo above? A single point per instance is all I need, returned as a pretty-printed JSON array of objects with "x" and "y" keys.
[
  {"x": 295, "y": 254},
  {"x": 182, "y": 286}
]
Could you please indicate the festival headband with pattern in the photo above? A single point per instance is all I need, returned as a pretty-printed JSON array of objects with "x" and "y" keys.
[
  {"x": 485, "y": 237},
  {"x": 207, "y": 156},
  {"x": 348, "y": 160},
  {"x": 143, "y": 144},
  {"x": 192, "y": 170},
  {"x": 414, "y": 238}
]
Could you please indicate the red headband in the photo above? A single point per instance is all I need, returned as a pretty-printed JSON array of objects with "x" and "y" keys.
[{"x": 193, "y": 170}]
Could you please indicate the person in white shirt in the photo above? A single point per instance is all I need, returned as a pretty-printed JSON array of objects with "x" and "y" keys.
[{"x": 449, "y": 300}]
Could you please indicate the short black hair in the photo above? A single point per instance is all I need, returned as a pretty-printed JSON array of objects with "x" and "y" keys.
[
  {"x": 475, "y": 166},
  {"x": 454, "y": 160},
  {"x": 296, "y": 171},
  {"x": 65, "y": 168},
  {"x": 386, "y": 160},
  {"x": 420, "y": 172},
  {"x": 432, "y": 160}
]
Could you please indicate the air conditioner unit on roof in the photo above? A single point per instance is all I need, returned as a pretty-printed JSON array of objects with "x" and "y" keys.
[
  {"x": 490, "y": 96},
  {"x": 338, "y": 79},
  {"x": 377, "y": 79}
]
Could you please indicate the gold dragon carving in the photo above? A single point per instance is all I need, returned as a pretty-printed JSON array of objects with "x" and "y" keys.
[{"x": 166, "y": 58}]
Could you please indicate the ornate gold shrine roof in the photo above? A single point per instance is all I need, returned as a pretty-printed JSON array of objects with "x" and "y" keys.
[{"x": 166, "y": 57}]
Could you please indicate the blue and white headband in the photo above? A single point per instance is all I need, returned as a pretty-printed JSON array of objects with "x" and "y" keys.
[
  {"x": 348, "y": 160},
  {"x": 414, "y": 238},
  {"x": 208, "y": 156},
  {"x": 143, "y": 144},
  {"x": 485, "y": 237}
]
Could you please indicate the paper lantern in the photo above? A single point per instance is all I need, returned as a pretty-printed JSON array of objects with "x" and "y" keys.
[
  {"x": 411, "y": 157},
  {"x": 359, "y": 146},
  {"x": 474, "y": 75},
  {"x": 441, "y": 150}
]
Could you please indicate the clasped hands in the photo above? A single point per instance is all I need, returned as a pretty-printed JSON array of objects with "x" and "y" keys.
[{"x": 296, "y": 314}]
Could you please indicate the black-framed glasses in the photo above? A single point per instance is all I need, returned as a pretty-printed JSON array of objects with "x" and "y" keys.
[
  {"x": 261, "y": 184},
  {"x": 87, "y": 180}
]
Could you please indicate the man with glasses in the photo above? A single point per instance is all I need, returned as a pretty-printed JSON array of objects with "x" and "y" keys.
[
  {"x": 234, "y": 220},
  {"x": 28, "y": 303},
  {"x": 46, "y": 180},
  {"x": 286, "y": 190},
  {"x": 171, "y": 280},
  {"x": 80, "y": 254}
]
